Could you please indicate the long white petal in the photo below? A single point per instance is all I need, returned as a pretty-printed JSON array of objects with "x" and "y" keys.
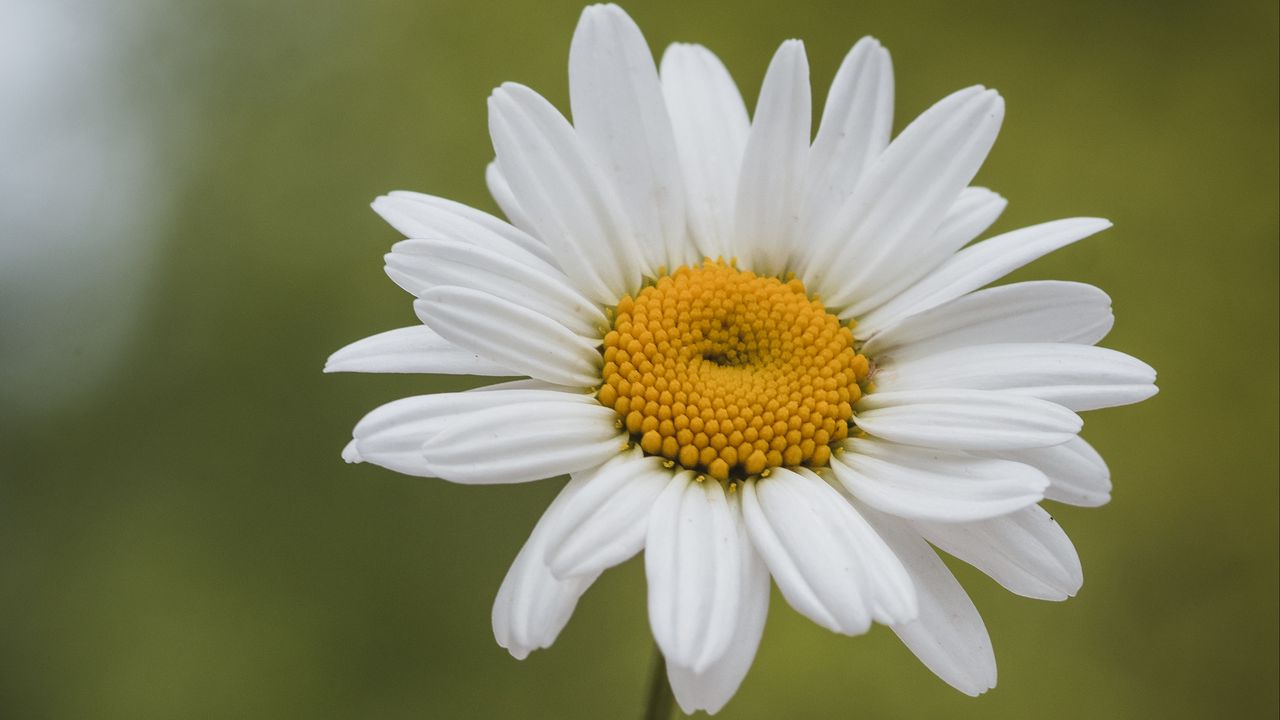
[
  {"x": 966, "y": 419},
  {"x": 392, "y": 435},
  {"x": 711, "y": 126},
  {"x": 711, "y": 689},
  {"x": 544, "y": 290},
  {"x": 510, "y": 231},
  {"x": 501, "y": 192},
  {"x": 1079, "y": 377},
  {"x": 522, "y": 442},
  {"x": 619, "y": 112},
  {"x": 970, "y": 215},
  {"x": 828, "y": 562},
  {"x": 422, "y": 217},
  {"x": 410, "y": 260},
  {"x": 524, "y": 340},
  {"x": 976, "y": 266},
  {"x": 770, "y": 188},
  {"x": 608, "y": 520},
  {"x": 949, "y": 636},
  {"x": 856, "y": 121},
  {"x": 416, "y": 349},
  {"x": 693, "y": 566},
  {"x": 1027, "y": 552},
  {"x": 565, "y": 194},
  {"x": 533, "y": 606},
  {"x": 934, "y": 484},
  {"x": 1077, "y": 473},
  {"x": 882, "y": 239},
  {"x": 1039, "y": 311}
]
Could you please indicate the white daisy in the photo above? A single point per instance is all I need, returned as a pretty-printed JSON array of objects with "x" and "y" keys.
[{"x": 756, "y": 355}]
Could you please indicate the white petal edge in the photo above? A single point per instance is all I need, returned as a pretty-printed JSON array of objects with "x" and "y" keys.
[
  {"x": 524, "y": 441},
  {"x": 979, "y": 265},
  {"x": 532, "y": 605},
  {"x": 966, "y": 419},
  {"x": 771, "y": 183},
  {"x": 883, "y": 237},
  {"x": 828, "y": 562},
  {"x": 928, "y": 484},
  {"x": 1038, "y": 311},
  {"x": 949, "y": 636},
  {"x": 975, "y": 210},
  {"x": 1077, "y": 473},
  {"x": 416, "y": 349},
  {"x": 506, "y": 200},
  {"x": 607, "y": 521},
  {"x": 419, "y": 216},
  {"x": 565, "y": 194},
  {"x": 693, "y": 567},
  {"x": 621, "y": 117},
  {"x": 511, "y": 335},
  {"x": 857, "y": 120},
  {"x": 711, "y": 126},
  {"x": 1027, "y": 552},
  {"x": 391, "y": 435},
  {"x": 1079, "y": 377},
  {"x": 711, "y": 689},
  {"x": 545, "y": 290}
]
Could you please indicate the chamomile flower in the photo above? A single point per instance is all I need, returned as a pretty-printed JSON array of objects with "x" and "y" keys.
[{"x": 759, "y": 355}]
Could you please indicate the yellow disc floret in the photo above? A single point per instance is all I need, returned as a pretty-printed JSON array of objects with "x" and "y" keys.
[{"x": 730, "y": 373}]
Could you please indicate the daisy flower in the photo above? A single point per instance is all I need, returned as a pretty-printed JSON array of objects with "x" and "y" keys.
[{"x": 759, "y": 355}]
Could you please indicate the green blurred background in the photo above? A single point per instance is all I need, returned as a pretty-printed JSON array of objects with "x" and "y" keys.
[{"x": 186, "y": 237}]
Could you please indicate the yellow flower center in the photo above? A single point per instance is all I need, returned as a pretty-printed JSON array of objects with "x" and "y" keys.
[{"x": 730, "y": 373}]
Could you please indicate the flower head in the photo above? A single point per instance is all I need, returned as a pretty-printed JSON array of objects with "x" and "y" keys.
[{"x": 756, "y": 355}]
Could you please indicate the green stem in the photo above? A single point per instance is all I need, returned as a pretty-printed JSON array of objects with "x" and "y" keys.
[{"x": 661, "y": 701}]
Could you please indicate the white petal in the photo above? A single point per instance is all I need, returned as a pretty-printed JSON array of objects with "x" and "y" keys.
[
  {"x": 1026, "y": 552},
  {"x": 506, "y": 200},
  {"x": 711, "y": 127},
  {"x": 1040, "y": 311},
  {"x": 828, "y": 562},
  {"x": 711, "y": 689},
  {"x": 1079, "y": 377},
  {"x": 773, "y": 164},
  {"x": 620, "y": 115},
  {"x": 693, "y": 565},
  {"x": 417, "y": 349},
  {"x": 969, "y": 216},
  {"x": 608, "y": 520},
  {"x": 975, "y": 210},
  {"x": 934, "y": 484},
  {"x": 949, "y": 636},
  {"x": 966, "y": 419},
  {"x": 855, "y": 127},
  {"x": 533, "y": 605},
  {"x": 979, "y": 265},
  {"x": 514, "y": 336},
  {"x": 420, "y": 216},
  {"x": 525, "y": 441},
  {"x": 513, "y": 233},
  {"x": 1077, "y": 473},
  {"x": 565, "y": 194},
  {"x": 392, "y": 435},
  {"x": 544, "y": 290},
  {"x": 883, "y": 238}
]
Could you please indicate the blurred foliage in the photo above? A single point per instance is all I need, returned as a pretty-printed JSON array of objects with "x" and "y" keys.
[{"x": 183, "y": 540}]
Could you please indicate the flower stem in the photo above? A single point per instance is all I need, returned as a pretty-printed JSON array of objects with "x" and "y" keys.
[{"x": 661, "y": 701}]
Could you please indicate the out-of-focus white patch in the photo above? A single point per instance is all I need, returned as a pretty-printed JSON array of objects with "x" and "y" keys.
[{"x": 80, "y": 196}]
